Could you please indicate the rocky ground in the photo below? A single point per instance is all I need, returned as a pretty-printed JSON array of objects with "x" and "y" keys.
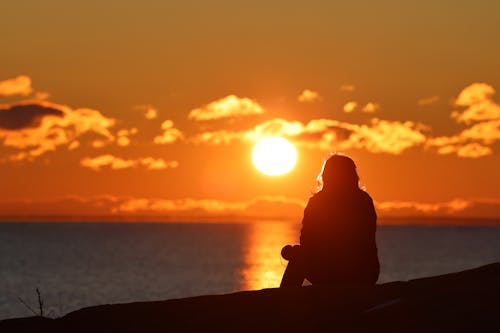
[{"x": 467, "y": 301}]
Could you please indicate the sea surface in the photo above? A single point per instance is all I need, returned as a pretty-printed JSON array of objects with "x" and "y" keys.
[{"x": 82, "y": 264}]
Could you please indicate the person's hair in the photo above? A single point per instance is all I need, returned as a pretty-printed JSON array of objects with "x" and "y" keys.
[{"x": 338, "y": 170}]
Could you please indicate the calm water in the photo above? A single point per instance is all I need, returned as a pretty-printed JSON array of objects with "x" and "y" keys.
[{"x": 82, "y": 264}]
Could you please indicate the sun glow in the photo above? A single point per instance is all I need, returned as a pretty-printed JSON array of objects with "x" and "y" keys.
[
  {"x": 274, "y": 156},
  {"x": 263, "y": 264}
]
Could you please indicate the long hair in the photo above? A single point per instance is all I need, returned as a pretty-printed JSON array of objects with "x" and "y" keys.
[{"x": 338, "y": 170}]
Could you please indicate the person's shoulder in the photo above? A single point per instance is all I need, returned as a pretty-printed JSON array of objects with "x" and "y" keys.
[
  {"x": 316, "y": 197},
  {"x": 364, "y": 195},
  {"x": 324, "y": 194}
]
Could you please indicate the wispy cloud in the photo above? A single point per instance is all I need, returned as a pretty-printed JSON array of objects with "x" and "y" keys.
[
  {"x": 468, "y": 150},
  {"x": 384, "y": 136},
  {"x": 347, "y": 87},
  {"x": 380, "y": 136},
  {"x": 478, "y": 103},
  {"x": 150, "y": 112},
  {"x": 415, "y": 207},
  {"x": 228, "y": 107},
  {"x": 457, "y": 207},
  {"x": 73, "y": 145},
  {"x": 474, "y": 150},
  {"x": 350, "y": 107},
  {"x": 428, "y": 100},
  {"x": 20, "y": 85},
  {"x": 475, "y": 93},
  {"x": 117, "y": 163},
  {"x": 21, "y": 116},
  {"x": 487, "y": 131},
  {"x": 370, "y": 107},
  {"x": 161, "y": 209},
  {"x": 170, "y": 133},
  {"x": 41, "y": 95},
  {"x": 262, "y": 206},
  {"x": 482, "y": 114},
  {"x": 309, "y": 96},
  {"x": 36, "y": 127},
  {"x": 123, "y": 136}
]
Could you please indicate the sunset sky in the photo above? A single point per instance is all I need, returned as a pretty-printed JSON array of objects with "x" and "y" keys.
[{"x": 152, "y": 108}]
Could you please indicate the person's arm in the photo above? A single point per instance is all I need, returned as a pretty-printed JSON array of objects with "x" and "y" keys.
[
  {"x": 305, "y": 233},
  {"x": 372, "y": 215}
]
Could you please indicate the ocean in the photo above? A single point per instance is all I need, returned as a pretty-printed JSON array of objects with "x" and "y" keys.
[{"x": 74, "y": 265}]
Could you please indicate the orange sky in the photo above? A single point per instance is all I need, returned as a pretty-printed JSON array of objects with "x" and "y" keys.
[{"x": 152, "y": 108}]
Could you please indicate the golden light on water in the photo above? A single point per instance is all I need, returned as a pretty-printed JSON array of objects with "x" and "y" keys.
[
  {"x": 274, "y": 156},
  {"x": 264, "y": 265}
]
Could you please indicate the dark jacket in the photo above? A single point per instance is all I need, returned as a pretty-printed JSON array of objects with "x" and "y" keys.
[{"x": 338, "y": 237}]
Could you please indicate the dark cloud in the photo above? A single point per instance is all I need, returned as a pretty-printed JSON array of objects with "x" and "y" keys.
[
  {"x": 330, "y": 133},
  {"x": 17, "y": 117}
]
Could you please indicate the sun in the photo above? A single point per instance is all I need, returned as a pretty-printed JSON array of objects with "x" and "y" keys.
[{"x": 274, "y": 156}]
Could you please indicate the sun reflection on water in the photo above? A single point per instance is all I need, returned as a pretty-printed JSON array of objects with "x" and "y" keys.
[{"x": 264, "y": 265}]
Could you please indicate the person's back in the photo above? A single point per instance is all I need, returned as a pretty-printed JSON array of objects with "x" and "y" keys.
[
  {"x": 338, "y": 238},
  {"x": 338, "y": 232}
]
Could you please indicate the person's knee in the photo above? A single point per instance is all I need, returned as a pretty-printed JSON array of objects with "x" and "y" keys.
[{"x": 290, "y": 252}]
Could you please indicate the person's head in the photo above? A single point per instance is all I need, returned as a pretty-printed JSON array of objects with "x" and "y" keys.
[{"x": 338, "y": 171}]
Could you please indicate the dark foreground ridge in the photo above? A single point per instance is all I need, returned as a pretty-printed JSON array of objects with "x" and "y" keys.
[{"x": 467, "y": 301}]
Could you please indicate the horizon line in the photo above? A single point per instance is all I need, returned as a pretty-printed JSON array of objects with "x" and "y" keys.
[{"x": 382, "y": 220}]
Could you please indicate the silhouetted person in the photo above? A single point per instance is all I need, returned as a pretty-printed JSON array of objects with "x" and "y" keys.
[{"x": 337, "y": 241}]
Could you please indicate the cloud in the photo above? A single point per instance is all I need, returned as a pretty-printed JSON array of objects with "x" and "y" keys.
[
  {"x": 122, "y": 208},
  {"x": 73, "y": 145},
  {"x": 36, "y": 127},
  {"x": 97, "y": 143},
  {"x": 170, "y": 133},
  {"x": 309, "y": 96},
  {"x": 486, "y": 110},
  {"x": 457, "y": 207},
  {"x": 347, "y": 87},
  {"x": 484, "y": 113},
  {"x": 384, "y": 136},
  {"x": 116, "y": 163},
  {"x": 475, "y": 93},
  {"x": 272, "y": 127},
  {"x": 487, "y": 132},
  {"x": 469, "y": 150},
  {"x": 218, "y": 137},
  {"x": 478, "y": 103},
  {"x": 350, "y": 107},
  {"x": 150, "y": 112},
  {"x": 474, "y": 150},
  {"x": 380, "y": 136},
  {"x": 20, "y": 85},
  {"x": 123, "y": 136},
  {"x": 41, "y": 95},
  {"x": 228, "y": 107},
  {"x": 428, "y": 100},
  {"x": 461, "y": 144},
  {"x": 259, "y": 207},
  {"x": 370, "y": 107},
  {"x": 123, "y": 141},
  {"x": 21, "y": 116},
  {"x": 164, "y": 205},
  {"x": 415, "y": 207}
]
